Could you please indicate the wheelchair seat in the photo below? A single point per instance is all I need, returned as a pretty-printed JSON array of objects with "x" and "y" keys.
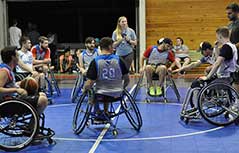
[
  {"x": 168, "y": 83},
  {"x": 19, "y": 125}
]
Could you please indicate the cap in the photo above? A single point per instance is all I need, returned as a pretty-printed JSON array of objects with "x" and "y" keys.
[
  {"x": 165, "y": 40},
  {"x": 204, "y": 45}
]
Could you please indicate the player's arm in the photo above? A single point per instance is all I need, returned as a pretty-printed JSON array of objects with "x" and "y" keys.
[
  {"x": 215, "y": 66},
  {"x": 24, "y": 66},
  {"x": 3, "y": 81}
]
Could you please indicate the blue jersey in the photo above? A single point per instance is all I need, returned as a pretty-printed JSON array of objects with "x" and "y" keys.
[
  {"x": 157, "y": 57},
  {"x": 109, "y": 75},
  {"x": 87, "y": 58},
  {"x": 11, "y": 80},
  {"x": 40, "y": 56}
]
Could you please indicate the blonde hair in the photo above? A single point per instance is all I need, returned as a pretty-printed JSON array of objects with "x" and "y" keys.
[{"x": 118, "y": 29}]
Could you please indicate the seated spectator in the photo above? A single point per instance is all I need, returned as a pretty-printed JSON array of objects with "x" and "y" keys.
[
  {"x": 76, "y": 65},
  {"x": 209, "y": 57},
  {"x": 181, "y": 53},
  {"x": 66, "y": 61}
]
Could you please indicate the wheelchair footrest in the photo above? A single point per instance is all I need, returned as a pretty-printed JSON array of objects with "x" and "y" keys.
[
  {"x": 192, "y": 113},
  {"x": 45, "y": 133}
]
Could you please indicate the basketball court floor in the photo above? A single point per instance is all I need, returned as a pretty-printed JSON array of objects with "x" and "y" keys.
[{"x": 162, "y": 130}]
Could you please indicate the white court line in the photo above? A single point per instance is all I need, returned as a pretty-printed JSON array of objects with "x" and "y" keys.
[
  {"x": 159, "y": 103},
  {"x": 60, "y": 105},
  {"x": 144, "y": 139},
  {"x": 136, "y": 139},
  {"x": 156, "y": 103},
  {"x": 100, "y": 137}
]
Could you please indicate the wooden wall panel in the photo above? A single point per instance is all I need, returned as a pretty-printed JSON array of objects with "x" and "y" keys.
[{"x": 193, "y": 20}]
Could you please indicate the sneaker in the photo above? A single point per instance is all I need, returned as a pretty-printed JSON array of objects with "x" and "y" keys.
[
  {"x": 158, "y": 91},
  {"x": 151, "y": 91}
]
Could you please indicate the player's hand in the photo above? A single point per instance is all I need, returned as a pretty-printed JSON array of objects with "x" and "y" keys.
[
  {"x": 176, "y": 71},
  {"x": 170, "y": 70},
  {"x": 141, "y": 70},
  {"x": 203, "y": 78},
  {"x": 21, "y": 92},
  {"x": 34, "y": 74}
]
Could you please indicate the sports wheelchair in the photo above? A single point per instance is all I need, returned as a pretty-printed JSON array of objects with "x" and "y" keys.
[
  {"x": 52, "y": 85},
  {"x": 86, "y": 111},
  {"x": 77, "y": 89},
  {"x": 217, "y": 102},
  {"x": 168, "y": 83},
  {"x": 20, "y": 124}
]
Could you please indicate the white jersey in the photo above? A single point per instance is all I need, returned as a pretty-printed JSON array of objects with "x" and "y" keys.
[
  {"x": 15, "y": 35},
  {"x": 26, "y": 58}
]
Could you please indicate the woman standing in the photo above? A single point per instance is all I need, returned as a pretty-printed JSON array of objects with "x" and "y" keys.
[{"x": 124, "y": 40}]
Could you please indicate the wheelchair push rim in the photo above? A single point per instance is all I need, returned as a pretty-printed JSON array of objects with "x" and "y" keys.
[
  {"x": 81, "y": 114},
  {"x": 216, "y": 102},
  {"x": 76, "y": 90},
  {"x": 15, "y": 130},
  {"x": 131, "y": 111}
]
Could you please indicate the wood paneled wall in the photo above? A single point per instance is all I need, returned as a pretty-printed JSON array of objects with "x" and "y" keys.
[{"x": 193, "y": 20}]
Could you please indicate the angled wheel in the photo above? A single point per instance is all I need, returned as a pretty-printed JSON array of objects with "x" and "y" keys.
[
  {"x": 76, "y": 90},
  {"x": 55, "y": 84},
  {"x": 218, "y": 104},
  {"x": 175, "y": 89},
  {"x": 137, "y": 88},
  {"x": 131, "y": 110},
  {"x": 49, "y": 90},
  {"x": 81, "y": 114},
  {"x": 18, "y": 126}
]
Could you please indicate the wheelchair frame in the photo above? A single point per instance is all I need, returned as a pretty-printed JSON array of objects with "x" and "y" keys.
[
  {"x": 85, "y": 114},
  {"x": 52, "y": 86},
  {"x": 15, "y": 124},
  {"x": 77, "y": 89},
  {"x": 215, "y": 103},
  {"x": 168, "y": 82}
]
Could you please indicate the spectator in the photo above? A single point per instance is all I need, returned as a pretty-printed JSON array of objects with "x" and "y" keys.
[
  {"x": 33, "y": 34},
  {"x": 124, "y": 40},
  {"x": 66, "y": 61},
  {"x": 232, "y": 14},
  {"x": 181, "y": 53},
  {"x": 15, "y": 34}
]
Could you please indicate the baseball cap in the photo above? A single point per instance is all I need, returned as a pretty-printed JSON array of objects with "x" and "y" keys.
[
  {"x": 204, "y": 45},
  {"x": 165, "y": 40}
]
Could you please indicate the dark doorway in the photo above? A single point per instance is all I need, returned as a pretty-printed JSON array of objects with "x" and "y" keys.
[{"x": 73, "y": 21}]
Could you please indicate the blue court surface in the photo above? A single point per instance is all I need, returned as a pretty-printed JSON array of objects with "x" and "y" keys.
[{"x": 162, "y": 131}]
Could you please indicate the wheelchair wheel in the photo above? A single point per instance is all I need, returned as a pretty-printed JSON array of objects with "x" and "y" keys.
[
  {"x": 131, "y": 110},
  {"x": 81, "y": 114},
  {"x": 19, "y": 126},
  {"x": 136, "y": 90},
  {"x": 175, "y": 89},
  {"x": 76, "y": 91},
  {"x": 55, "y": 84},
  {"x": 217, "y": 103}
]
